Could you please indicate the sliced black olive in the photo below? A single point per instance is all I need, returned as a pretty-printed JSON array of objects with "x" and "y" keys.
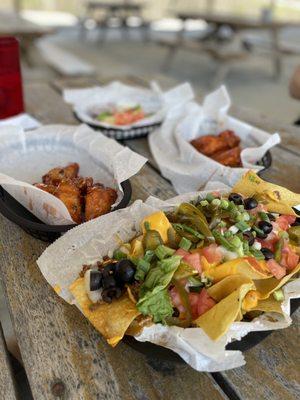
[
  {"x": 95, "y": 280},
  {"x": 297, "y": 222},
  {"x": 250, "y": 203},
  {"x": 266, "y": 227},
  {"x": 124, "y": 271},
  {"x": 108, "y": 269},
  {"x": 268, "y": 254},
  {"x": 271, "y": 217},
  {"x": 109, "y": 294},
  {"x": 109, "y": 282},
  {"x": 236, "y": 198},
  {"x": 248, "y": 235}
]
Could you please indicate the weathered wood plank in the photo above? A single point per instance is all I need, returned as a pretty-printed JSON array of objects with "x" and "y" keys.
[
  {"x": 272, "y": 369},
  {"x": 62, "y": 353},
  {"x": 7, "y": 384}
]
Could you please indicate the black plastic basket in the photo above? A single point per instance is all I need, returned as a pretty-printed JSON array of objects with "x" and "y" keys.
[
  {"x": 15, "y": 212},
  {"x": 154, "y": 351}
]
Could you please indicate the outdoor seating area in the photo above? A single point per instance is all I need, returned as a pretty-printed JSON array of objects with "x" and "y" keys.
[{"x": 149, "y": 199}]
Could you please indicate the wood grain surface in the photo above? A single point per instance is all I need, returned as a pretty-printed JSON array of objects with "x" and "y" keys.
[
  {"x": 66, "y": 358},
  {"x": 7, "y": 384},
  {"x": 63, "y": 354}
]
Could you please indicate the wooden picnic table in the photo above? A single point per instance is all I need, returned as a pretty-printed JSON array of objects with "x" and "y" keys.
[
  {"x": 238, "y": 24},
  {"x": 65, "y": 357}
]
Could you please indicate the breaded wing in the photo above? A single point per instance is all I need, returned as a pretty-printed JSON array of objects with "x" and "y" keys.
[
  {"x": 70, "y": 195},
  {"x": 47, "y": 188},
  {"x": 98, "y": 201},
  {"x": 56, "y": 175},
  {"x": 83, "y": 184},
  {"x": 209, "y": 144}
]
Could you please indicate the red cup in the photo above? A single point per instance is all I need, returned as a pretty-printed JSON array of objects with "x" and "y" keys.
[{"x": 11, "y": 94}]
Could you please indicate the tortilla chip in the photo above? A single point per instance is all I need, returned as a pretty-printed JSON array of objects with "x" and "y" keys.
[
  {"x": 216, "y": 321},
  {"x": 267, "y": 286},
  {"x": 276, "y": 198},
  {"x": 111, "y": 320},
  {"x": 227, "y": 285},
  {"x": 238, "y": 266},
  {"x": 268, "y": 305}
]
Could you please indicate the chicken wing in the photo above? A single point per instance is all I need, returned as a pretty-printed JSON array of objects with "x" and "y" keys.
[
  {"x": 70, "y": 195},
  {"x": 83, "y": 184},
  {"x": 47, "y": 188},
  {"x": 98, "y": 201},
  {"x": 56, "y": 175},
  {"x": 210, "y": 144},
  {"x": 229, "y": 158}
]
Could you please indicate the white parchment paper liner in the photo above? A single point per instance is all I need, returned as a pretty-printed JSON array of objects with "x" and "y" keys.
[
  {"x": 62, "y": 261},
  {"x": 93, "y": 100},
  {"x": 183, "y": 165},
  {"x": 25, "y": 157}
]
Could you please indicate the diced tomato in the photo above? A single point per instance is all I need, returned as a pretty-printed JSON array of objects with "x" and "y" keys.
[
  {"x": 191, "y": 259},
  {"x": 212, "y": 253},
  {"x": 276, "y": 269},
  {"x": 128, "y": 117},
  {"x": 269, "y": 242},
  {"x": 285, "y": 221},
  {"x": 200, "y": 303},
  {"x": 289, "y": 258}
]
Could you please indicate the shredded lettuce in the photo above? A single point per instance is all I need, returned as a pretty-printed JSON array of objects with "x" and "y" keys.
[{"x": 154, "y": 298}]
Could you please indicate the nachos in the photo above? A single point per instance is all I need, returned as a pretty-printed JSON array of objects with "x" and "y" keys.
[{"x": 207, "y": 263}]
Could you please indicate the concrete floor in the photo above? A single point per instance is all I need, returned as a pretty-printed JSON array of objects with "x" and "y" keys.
[{"x": 250, "y": 82}]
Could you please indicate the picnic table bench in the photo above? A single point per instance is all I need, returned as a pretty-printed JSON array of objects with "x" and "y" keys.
[
  {"x": 218, "y": 50},
  {"x": 65, "y": 357}
]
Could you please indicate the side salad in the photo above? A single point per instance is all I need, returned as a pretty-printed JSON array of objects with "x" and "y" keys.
[{"x": 122, "y": 115}]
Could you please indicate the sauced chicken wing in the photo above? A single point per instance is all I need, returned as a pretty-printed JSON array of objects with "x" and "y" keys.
[
  {"x": 70, "y": 195},
  {"x": 210, "y": 144},
  {"x": 98, "y": 201},
  {"x": 223, "y": 148},
  {"x": 56, "y": 175},
  {"x": 47, "y": 188},
  {"x": 229, "y": 158}
]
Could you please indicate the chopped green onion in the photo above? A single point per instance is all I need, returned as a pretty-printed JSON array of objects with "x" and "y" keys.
[
  {"x": 246, "y": 216},
  {"x": 258, "y": 231},
  {"x": 179, "y": 227},
  {"x": 278, "y": 295},
  {"x": 210, "y": 197},
  {"x": 185, "y": 244},
  {"x": 278, "y": 250},
  {"x": 242, "y": 226},
  {"x": 149, "y": 255},
  {"x": 224, "y": 204},
  {"x": 263, "y": 216},
  {"x": 256, "y": 253},
  {"x": 236, "y": 241},
  {"x": 216, "y": 202},
  {"x": 142, "y": 269},
  {"x": 163, "y": 251},
  {"x": 204, "y": 203},
  {"x": 222, "y": 224},
  {"x": 119, "y": 255}
]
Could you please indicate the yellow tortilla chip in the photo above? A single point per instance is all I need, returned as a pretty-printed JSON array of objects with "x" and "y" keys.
[
  {"x": 268, "y": 305},
  {"x": 276, "y": 198},
  {"x": 111, "y": 320},
  {"x": 250, "y": 300},
  {"x": 216, "y": 321},
  {"x": 227, "y": 285},
  {"x": 238, "y": 266},
  {"x": 267, "y": 286}
]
